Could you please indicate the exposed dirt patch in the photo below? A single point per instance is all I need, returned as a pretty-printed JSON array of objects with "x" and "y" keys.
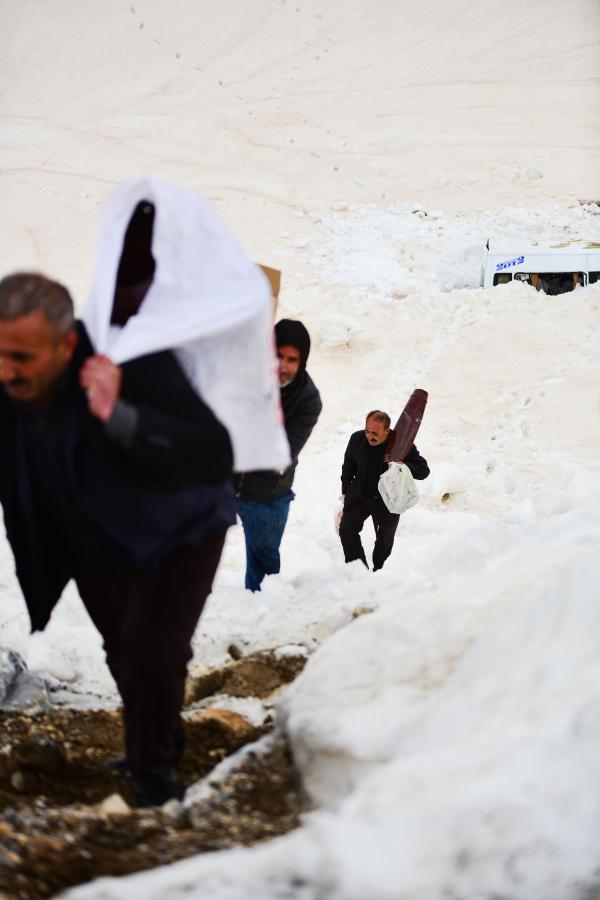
[
  {"x": 61, "y": 755},
  {"x": 258, "y": 675},
  {"x": 55, "y": 831},
  {"x": 44, "y": 850}
]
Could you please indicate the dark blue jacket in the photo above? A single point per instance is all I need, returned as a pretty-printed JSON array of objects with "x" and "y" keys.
[{"x": 138, "y": 492}]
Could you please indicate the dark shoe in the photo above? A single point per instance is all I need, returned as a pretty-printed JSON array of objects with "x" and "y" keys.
[
  {"x": 153, "y": 787},
  {"x": 118, "y": 765}
]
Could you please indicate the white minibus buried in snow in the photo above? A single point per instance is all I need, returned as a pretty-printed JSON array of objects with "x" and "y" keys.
[{"x": 554, "y": 268}]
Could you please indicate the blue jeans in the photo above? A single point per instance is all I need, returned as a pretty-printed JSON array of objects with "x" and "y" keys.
[{"x": 263, "y": 522}]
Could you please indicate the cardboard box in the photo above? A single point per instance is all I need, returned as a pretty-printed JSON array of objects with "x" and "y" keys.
[{"x": 274, "y": 276}]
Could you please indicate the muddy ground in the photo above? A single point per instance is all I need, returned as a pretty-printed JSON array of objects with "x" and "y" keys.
[{"x": 57, "y": 829}]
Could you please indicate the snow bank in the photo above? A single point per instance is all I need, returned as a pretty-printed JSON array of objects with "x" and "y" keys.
[
  {"x": 399, "y": 250},
  {"x": 450, "y": 737}
]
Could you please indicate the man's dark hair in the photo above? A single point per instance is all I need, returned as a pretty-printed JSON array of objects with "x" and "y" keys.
[
  {"x": 26, "y": 292},
  {"x": 380, "y": 416}
]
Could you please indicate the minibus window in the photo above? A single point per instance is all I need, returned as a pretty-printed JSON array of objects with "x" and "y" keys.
[
  {"x": 552, "y": 282},
  {"x": 593, "y": 277},
  {"x": 502, "y": 278}
]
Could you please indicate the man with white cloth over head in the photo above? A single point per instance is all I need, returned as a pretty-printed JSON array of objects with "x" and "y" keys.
[{"x": 114, "y": 470}]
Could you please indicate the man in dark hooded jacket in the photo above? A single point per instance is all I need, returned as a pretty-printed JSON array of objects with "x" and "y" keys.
[
  {"x": 120, "y": 478},
  {"x": 264, "y": 497}
]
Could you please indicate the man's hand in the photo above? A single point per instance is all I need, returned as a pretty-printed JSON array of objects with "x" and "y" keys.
[
  {"x": 339, "y": 513},
  {"x": 101, "y": 381}
]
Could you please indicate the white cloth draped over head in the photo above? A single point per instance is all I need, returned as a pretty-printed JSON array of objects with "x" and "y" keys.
[{"x": 208, "y": 302}]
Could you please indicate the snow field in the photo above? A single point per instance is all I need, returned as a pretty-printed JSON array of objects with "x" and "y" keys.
[{"x": 449, "y": 738}]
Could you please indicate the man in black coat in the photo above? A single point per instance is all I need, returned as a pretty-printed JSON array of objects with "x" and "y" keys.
[
  {"x": 117, "y": 477},
  {"x": 264, "y": 497},
  {"x": 364, "y": 462}
]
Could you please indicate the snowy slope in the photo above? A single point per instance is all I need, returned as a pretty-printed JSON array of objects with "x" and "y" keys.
[{"x": 449, "y": 739}]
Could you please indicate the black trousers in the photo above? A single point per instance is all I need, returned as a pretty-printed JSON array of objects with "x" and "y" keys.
[
  {"x": 385, "y": 524},
  {"x": 147, "y": 621}
]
